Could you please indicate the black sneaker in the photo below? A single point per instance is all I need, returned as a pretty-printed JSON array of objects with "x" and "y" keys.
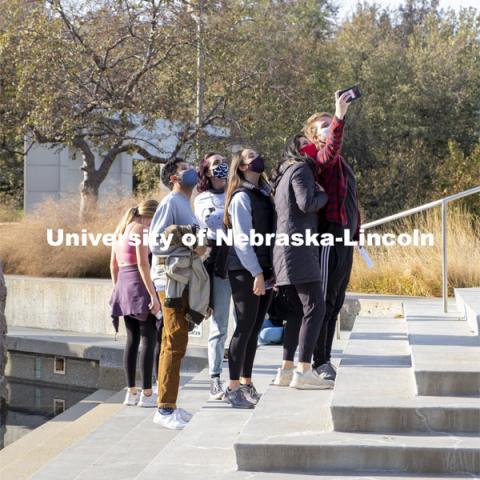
[
  {"x": 328, "y": 371},
  {"x": 236, "y": 399},
  {"x": 216, "y": 389},
  {"x": 251, "y": 393}
]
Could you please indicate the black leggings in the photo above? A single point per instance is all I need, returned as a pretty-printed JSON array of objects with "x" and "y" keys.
[
  {"x": 250, "y": 310},
  {"x": 158, "y": 349},
  {"x": 136, "y": 329},
  {"x": 303, "y": 329}
]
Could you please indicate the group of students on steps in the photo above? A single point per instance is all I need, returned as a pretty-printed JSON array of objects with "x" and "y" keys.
[{"x": 311, "y": 188}]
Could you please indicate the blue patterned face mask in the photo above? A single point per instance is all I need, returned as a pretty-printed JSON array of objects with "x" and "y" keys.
[{"x": 221, "y": 170}]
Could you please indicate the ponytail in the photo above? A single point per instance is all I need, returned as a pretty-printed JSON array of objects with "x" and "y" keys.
[
  {"x": 127, "y": 218},
  {"x": 146, "y": 208}
]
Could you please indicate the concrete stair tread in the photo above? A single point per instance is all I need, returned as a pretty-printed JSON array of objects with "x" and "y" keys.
[
  {"x": 445, "y": 353},
  {"x": 121, "y": 446},
  {"x": 426, "y": 401},
  {"x": 417, "y": 441},
  {"x": 432, "y": 308},
  {"x": 305, "y": 450}
]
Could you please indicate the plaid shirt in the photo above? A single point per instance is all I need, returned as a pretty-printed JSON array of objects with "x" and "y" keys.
[{"x": 332, "y": 176}]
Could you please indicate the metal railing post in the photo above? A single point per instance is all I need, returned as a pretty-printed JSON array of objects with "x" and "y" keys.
[
  {"x": 444, "y": 257},
  {"x": 443, "y": 202}
]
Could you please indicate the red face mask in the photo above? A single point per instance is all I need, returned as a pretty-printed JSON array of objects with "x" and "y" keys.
[{"x": 310, "y": 150}]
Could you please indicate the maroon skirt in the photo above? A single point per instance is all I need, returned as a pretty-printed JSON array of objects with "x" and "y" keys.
[{"x": 129, "y": 297}]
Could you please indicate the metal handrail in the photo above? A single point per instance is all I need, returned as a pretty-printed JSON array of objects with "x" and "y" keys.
[{"x": 443, "y": 202}]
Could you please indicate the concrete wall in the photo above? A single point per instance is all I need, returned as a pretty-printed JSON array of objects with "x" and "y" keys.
[
  {"x": 77, "y": 305},
  {"x": 81, "y": 305},
  {"x": 54, "y": 173}
]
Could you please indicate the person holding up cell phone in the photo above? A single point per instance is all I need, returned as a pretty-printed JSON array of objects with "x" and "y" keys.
[
  {"x": 297, "y": 269},
  {"x": 209, "y": 207},
  {"x": 248, "y": 206},
  {"x": 341, "y": 215}
]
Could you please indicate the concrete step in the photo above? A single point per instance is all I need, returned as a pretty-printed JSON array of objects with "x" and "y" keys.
[
  {"x": 123, "y": 445},
  {"x": 24, "y": 457},
  {"x": 445, "y": 353},
  {"x": 292, "y": 431},
  {"x": 337, "y": 476},
  {"x": 375, "y": 389},
  {"x": 468, "y": 303},
  {"x": 357, "y": 453}
]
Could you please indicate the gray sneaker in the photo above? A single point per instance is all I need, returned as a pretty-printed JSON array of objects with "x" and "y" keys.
[
  {"x": 327, "y": 370},
  {"x": 236, "y": 399},
  {"x": 251, "y": 393},
  {"x": 216, "y": 389},
  {"x": 310, "y": 380}
]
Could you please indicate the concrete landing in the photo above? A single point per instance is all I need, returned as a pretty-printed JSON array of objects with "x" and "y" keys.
[
  {"x": 124, "y": 444},
  {"x": 204, "y": 450},
  {"x": 22, "y": 458}
]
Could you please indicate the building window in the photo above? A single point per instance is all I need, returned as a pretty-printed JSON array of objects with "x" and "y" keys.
[
  {"x": 59, "y": 365},
  {"x": 58, "y": 406}
]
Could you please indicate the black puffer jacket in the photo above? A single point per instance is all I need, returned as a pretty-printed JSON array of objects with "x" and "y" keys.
[{"x": 296, "y": 203}]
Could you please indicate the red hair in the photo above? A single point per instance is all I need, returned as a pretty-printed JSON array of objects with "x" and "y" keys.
[{"x": 204, "y": 182}]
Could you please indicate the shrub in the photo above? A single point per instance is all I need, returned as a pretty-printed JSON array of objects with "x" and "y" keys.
[
  {"x": 24, "y": 249},
  {"x": 418, "y": 270}
]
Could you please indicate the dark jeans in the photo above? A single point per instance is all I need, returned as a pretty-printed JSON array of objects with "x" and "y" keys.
[
  {"x": 147, "y": 332},
  {"x": 304, "y": 329},
  {"x": 336, "y": 265},
  {"x": 250, "y": 311}
]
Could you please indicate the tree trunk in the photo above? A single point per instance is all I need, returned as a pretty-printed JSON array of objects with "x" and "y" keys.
[
  {"x": 91, "y": 181},
  {"x": 88, "y": 198}
]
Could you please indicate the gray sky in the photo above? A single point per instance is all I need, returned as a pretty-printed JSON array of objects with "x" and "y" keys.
[{"x": 348, "y": 6}]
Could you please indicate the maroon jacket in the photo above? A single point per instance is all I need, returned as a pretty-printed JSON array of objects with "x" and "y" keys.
[{"x": 332, "y": 176}]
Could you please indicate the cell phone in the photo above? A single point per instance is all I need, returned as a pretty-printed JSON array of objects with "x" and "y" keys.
[
  {"x": 269, "y": 284},
  {"x": 355, "y": 92}
]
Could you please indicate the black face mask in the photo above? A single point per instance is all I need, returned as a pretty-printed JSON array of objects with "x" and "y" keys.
[{"x": 257, "y": 165}]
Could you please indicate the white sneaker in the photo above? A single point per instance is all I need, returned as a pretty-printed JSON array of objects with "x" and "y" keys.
[
  {"x": 310, "y": 380},
  {"x": 173, "y": 421},
  {"x": 284, "y": 377},
  {"x": 148, "y": 402},
  {"x": 131, "y": 399},
  {"x": 186, "y": 416}
]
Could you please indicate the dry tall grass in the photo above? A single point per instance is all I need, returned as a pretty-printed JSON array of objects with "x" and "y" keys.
[
  {"x": 417, "y": 270},
  {"x": 24, "y": 249},
  {"x": 398, "y": 270},
  {"x": 10, "y": 210}
]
